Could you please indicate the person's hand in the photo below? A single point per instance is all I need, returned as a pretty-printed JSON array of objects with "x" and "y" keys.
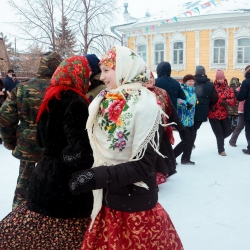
[
  {"x": 223, "y": 104},
  {"x": 9, "y": 146},
  {"x": 82, "y": 181},
  {"x": 189, "y": 106}
]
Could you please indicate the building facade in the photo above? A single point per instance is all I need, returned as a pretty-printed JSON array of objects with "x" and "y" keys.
[{"x": 216, "y": 41}]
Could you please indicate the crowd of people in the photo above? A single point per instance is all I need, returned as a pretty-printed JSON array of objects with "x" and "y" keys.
[{"x": 89, "y": 175}]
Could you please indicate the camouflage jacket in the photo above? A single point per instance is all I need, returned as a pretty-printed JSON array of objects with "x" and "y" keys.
[{"x": 18, "y": 118}]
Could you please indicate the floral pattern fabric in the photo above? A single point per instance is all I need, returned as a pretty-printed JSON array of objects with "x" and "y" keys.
[
  {"x": 160, "y": 178},
  {"x": 225, "y": 93},
  {"x": 147, "y": 230},
  {"x": 163, "y": 101},
  {"x": 73, "y": 72},
  {"x": 24, "y": 229},
  {"x": 114, "y": 117}
]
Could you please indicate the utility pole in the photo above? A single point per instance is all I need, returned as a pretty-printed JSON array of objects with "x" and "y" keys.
[
  {"x": 63, "y": 32},
  {"x": 15, "y": 46}
]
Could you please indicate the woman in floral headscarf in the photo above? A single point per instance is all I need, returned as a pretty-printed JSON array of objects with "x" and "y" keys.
[
  {"x": 165, "y": 167},
  {"x": 125, "y": 133},
  {"x": 54, "y": 218}
]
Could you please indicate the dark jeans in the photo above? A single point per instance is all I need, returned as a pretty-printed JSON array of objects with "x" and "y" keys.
[
  {"x": 247, "y": 130},
  {"x": 197, "y": 125},
  {"x": 186, "y": 145},
  {"x": 238, "y": 129},
  {"x": 221, "y": 129}
]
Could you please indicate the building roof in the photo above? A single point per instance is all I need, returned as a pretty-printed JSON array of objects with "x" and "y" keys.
[
  {"x": 197, "y": 11},
  {"x": 197, "y": 8}
]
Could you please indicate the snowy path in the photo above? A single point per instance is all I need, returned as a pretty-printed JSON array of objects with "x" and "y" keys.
[{"x": 209, "y": 203}]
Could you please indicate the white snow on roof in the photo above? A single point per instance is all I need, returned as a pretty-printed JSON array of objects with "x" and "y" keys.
[{"x": 170, "y": 10}]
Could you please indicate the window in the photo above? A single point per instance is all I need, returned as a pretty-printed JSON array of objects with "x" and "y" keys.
[
  {"x": 219, "y": 51},
  {"x": 178, "y": 53},
  {"x": 243, "y": 50},
  {"x": 159, "y": 53},
  {"x": 142, "y": 52}
]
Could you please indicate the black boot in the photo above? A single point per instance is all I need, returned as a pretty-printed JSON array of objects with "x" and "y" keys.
[
  {"x": 246, "y": 151},
  {"x": 188, "y": 162}
]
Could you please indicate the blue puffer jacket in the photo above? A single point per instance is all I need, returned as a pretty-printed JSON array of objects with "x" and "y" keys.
[
  {"x": 164, "y": 81},
  {"x": 9, "y": 84},
  {"x": 187, "y": 116}
]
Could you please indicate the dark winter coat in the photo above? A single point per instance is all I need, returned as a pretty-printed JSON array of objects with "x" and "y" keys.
[
  {"x": 233, "y": 110},
  {"x": 166, "y": 82},
  {"x": 3, "y": 95},
  {"x": 9, "y": 84},
  {"x": 119, "y": 191},
  {"x": 206, "y": 97},
  {"x": 64, "y": 125},
  {"x": 244, "y": 94},
  {"x": 225, "y": 94}
]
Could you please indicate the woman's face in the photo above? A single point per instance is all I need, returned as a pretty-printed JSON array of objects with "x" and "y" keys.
[
  {"x": 150, "y": 83},
  {"x": 108, "y": 77},
  {"x": 190, "y": 82},
  {"x": 220, "y": 81}
]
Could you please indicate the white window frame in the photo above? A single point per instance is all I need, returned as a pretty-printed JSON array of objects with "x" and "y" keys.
[
  {"x": 238, "y": 34},
  {"x": 215, "y": 35},
  {"x": 141, "y": 40},
  {"x": 178, "y": 37},
  {"x": 158, "y": 39}
]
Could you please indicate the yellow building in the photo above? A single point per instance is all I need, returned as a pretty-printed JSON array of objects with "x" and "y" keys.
[{"x": 214, "y": 41}]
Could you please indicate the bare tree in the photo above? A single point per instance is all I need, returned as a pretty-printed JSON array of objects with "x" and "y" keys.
[
  {"x": 39, "y": 18},
  {"x": 87, "y": 20},
  {"x": 96, "y": 16}
]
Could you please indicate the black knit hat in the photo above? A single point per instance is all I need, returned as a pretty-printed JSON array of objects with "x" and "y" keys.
[
  {"x": 200, "y": 70},
  {"x": 93, "y": 63},
  {"x": 187, "y": 77}
]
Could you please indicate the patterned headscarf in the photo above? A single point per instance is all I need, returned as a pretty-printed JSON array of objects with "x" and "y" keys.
[
  {"x": 134, "y": 69},
  {"x": 115, "y": 118},
  {"x": 72, "y": 74}
]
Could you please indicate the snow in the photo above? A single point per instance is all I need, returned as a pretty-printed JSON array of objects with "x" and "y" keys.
[
  {"x": 181, "y": 6},
  {"x": 208, "y": 203}
]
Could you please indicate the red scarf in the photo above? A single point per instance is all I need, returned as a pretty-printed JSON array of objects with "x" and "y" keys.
[{"x": 72, "y": 74}]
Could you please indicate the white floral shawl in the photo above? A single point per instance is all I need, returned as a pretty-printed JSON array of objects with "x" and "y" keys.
[{"x": 124, "y": 120}]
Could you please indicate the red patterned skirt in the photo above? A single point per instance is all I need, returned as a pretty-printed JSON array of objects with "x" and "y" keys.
[
  {"x": 160, "y": 178},
  {"x": 147, "y": 230},
  {"x": 23, "y": 229}
]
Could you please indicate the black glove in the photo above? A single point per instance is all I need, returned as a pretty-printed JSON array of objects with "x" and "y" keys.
[
  {"x": 223, "y": 104},
  {"x": 189, "y": 106},
  {"x": 72, "y": 155},
  {"x": 82, "y": 181}
]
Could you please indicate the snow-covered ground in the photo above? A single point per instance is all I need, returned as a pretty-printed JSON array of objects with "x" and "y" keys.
[{"x": 209, "y": 203}]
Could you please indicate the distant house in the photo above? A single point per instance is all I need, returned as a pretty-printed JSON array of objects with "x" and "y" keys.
[
  {"x": 4, "y": 57},
  {"x": 217, "y": 39}
]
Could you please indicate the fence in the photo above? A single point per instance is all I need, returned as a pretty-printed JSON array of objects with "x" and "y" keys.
[{"x": 21, "y": 75}]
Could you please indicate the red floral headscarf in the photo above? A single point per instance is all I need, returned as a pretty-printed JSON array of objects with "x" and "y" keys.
[{"x": 72, "y": 74}]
